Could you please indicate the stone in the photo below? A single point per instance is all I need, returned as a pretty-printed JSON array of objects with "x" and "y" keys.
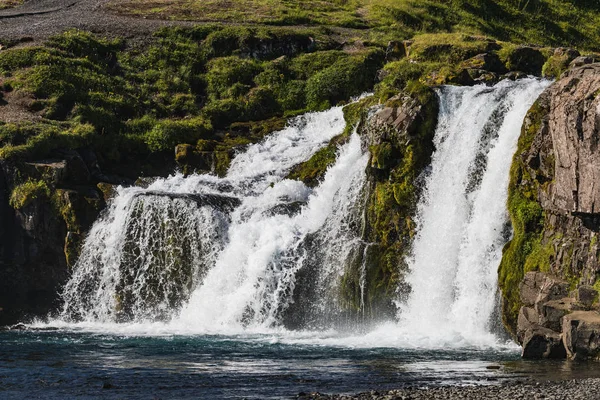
[
  {"x": 528, "y": 318},
  {"x": 486, "y": 61},
  {"x": 541, "y": 343},
  {"x": 52, "y": 171},
  {"x": 530, "y": 287},
  {"x": 552, "y": 312},
  {"x": 514, "y": 75},
  {"x": 526, "y": 59},
  {"x": 582, "y": 60},
  {"x": 77, "y": 170},
  {"x": 581, "y": 334},
  {"x": 586, "y": 295},
  {"x": 551, "y": 289}
]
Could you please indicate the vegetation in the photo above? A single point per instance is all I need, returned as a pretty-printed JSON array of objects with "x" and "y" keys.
[
  {"x": 544, "y": 22},
  {"x": 23, "y": 194},
  {"x": 187, "y": 85}
]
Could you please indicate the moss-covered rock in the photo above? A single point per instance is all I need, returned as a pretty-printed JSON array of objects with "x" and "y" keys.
[{"x": 400, "y": 140}]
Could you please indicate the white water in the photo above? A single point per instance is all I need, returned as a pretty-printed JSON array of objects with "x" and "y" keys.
[
  {"x": 240, "y": 266},
  {"x": 462, "y": 214},
  {"x": 244, "y": 272}
]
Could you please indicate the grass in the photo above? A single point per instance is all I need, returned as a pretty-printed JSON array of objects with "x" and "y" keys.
[
  {"x": 188, "y": 84},
  {"x": 545, "y": 22}
]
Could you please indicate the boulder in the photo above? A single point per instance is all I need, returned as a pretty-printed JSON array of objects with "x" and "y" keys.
[
  {"x": 542, "y": 342},
  {"x": 526, "y": 59},
  {"x": 486, "y": 61},
  {"x": 551, "y": 289},
  {"x": 53, "y": 171},
  {"x": 586, "y": 295},
  {"x": 553, "y": 311},
  {"x": 581, "y": 334}
]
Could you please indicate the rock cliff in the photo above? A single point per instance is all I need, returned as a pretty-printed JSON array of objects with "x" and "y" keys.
[{"x": 554, "y": 203}]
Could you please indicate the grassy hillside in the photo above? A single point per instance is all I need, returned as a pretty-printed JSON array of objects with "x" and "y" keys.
[{"x": 545, "y": 22}]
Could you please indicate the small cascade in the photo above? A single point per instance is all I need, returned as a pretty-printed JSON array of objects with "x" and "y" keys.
[
  {"x": 213, "y": 254},
  {"x": 462, "y": 217}
]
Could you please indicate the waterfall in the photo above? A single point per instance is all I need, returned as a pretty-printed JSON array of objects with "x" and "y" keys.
[
  {"x": 255, "y": 252},
  {"x": 220, "y": 254},
  {"x": 462, "y": 216}
]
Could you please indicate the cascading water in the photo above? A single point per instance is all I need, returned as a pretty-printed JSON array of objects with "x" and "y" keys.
[
  {"x": 254, "y": 251},
  {"x": 181, "y": 240},
  {"x": 462, "y": 215}
]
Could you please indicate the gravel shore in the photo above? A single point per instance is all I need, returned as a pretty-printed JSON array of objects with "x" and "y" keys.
[{"x": 576, "y": 389}]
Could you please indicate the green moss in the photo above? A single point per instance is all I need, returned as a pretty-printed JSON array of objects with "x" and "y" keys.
[
  {"x": 313, "y": 170},
  {"x": 555, "y": 66},
  {"x": 166, "y": 134},
  {"x": 22, "y": 195},
  {"x": 382, "y": 155},
  {"x": 343, "y": 79}
]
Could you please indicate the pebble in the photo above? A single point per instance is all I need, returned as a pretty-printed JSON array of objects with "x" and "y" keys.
[{"x": 576, "y": 389}]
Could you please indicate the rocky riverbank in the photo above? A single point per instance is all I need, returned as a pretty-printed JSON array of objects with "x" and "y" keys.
[{"x": 576, "y": 389}]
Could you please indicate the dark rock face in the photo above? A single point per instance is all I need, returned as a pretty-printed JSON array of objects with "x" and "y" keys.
[
  {"x": 39, "y": 241},
  {"x": 526, "y": 59},
  {"x": 543, "y": 343}
]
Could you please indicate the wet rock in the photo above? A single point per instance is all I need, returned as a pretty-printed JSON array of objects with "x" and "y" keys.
[
  {"x": 514, "y": 75},
  {"x": 581, "y": 334},
  {"x": 540, "y": 342},
  {"x": 225, "y": 203}
]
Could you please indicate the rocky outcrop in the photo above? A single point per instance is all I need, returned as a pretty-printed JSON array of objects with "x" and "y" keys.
[
  {"x": 399, "y": 137},
  {"x": 46, "y": 207},
  {"x": 554, "y": 202}
]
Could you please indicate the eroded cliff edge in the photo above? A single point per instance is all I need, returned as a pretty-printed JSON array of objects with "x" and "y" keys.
[{"x": 550, "y": 274}]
